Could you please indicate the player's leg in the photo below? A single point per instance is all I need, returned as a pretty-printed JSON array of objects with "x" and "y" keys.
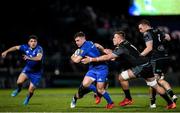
[
  {"x": 161, "y": 68},
  {"x": 85, "y": 87},
  {"x": 98, "y": 96},
  {"x": 34, "y": 82},
  {"x": 153, "y": 83},
  {"x": 105, "y": 94},
  {"x": 168, "y": 89},
  {"x": 21, "y": 79},
  {"x": 123, "y": 78},
  {"x": 30, "y": 93},
  {"x": 152, "y": 93}
]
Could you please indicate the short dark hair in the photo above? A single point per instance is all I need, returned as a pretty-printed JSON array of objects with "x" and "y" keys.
[
  {"x": 144, "y": 21},
  {"x": 121, "y": 33},
  {"x": 32, "y": 37},
  {"x": 79, "y": 34}
]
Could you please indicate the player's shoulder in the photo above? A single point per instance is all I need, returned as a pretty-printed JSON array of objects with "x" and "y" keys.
[
  {"x": 89, "y": 42},
  {"x": 25, "y": 46},
  {"x": 39, "y": 47}
]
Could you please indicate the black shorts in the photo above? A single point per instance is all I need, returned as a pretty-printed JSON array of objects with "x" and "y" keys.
[
  {"x": 160, "y": 66},
  {"x": 144, "y": 71}
]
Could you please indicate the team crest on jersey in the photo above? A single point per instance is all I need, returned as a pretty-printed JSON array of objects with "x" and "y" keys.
[
  {"x": 27, "y": 51},
  {"x": 161, "y": 48}
]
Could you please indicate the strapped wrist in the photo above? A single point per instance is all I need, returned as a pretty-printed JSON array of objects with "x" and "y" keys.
[{"x": 90, "y": 59}]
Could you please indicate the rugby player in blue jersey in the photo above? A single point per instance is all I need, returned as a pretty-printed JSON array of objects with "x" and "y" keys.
[
  {"x": 33, "y": 55},
  {"x": 97, "y": 71}
]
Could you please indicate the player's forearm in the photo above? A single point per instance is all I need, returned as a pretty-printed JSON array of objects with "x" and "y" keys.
[
  {"x": 37, "y": 58},
  {"x": 14, "y": 48},
  {"x": 167, "y": 37},
  {"x": 101, "y": 58},
  {"x": 75, "y": 58},
  {"x": 146, "y": 51},
  {"x": 100, "y": 47}
]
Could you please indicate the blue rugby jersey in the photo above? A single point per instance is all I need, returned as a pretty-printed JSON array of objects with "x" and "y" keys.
[
  {"x": 89, "y": 49},
  {"x": 32, "y": 66}
]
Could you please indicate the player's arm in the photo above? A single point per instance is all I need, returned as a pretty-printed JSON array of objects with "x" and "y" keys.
[
  {"x": 167, "y": 37},
  {"x": 76, "y": 58},
  {"x": 102, "y": 49},
  {"x": 36, "y": 58},
  {"x": 98, "y": 59},
  {"x": 14, "y": 48},
  {"x": 149, "y": 47}
]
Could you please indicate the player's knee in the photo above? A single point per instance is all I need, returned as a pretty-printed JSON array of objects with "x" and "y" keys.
[
  {"x": 19, "y": 82},
  {"x": 31, "y": 90},
  {"x": 124, "y": 76},
  {"x": 85, "y": 85},
  {"x": 152, "y": 83}
]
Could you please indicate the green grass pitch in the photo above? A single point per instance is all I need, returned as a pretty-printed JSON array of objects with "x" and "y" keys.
[{"x": 58, "y": 100}]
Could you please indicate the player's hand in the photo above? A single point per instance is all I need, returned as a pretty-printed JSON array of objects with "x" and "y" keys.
[
  {"x": 25, "y": 57},
  {"x": 86, "y": 60},
  {"x": 4, "y": 54},
  {"x": 107, "y": 51}
]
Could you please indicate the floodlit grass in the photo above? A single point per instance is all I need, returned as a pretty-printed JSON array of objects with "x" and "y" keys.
[{"x": 58, "y": 100}]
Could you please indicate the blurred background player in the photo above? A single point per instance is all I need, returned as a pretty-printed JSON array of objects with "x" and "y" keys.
[
  {"x": 156, "y": 50},
  {"x": 139, "y": 65},
  {"x": 33, "y": 54},
  {"x": 97, "y": 71}
]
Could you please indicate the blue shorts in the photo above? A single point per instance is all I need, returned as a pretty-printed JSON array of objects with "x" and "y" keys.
[
  {"x": 34, "y": 77},
  {"x": 98, "y": 75}
]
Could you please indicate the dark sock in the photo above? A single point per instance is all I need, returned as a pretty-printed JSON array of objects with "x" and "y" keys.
[
  {"x": 30, "y": 95},
  {"x": 153, "y": 97},
  {"x": 99, "y": 94},
  {"x": 75, "y": 98},
  {"x": 82, "y": 91},
  {"x": 19, "y": 87},
  {"x": 170, "y": 92},
  {"x": 168, "y": 100},
  {"x": 127, "y": 94}
]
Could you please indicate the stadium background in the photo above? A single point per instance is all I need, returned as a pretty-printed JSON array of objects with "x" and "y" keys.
[{"x": 56, "y": 21}]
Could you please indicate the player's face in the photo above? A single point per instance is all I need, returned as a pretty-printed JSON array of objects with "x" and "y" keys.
[
  {"x": 32, "y": 43},
  {"x": 79, "y": 41},
  {"x": 142, "y": 28},
  {"x": 116, "y": 39}
]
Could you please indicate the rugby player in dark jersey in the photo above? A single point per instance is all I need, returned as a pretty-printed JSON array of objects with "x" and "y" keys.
[{"x": 156, "y": 50}]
